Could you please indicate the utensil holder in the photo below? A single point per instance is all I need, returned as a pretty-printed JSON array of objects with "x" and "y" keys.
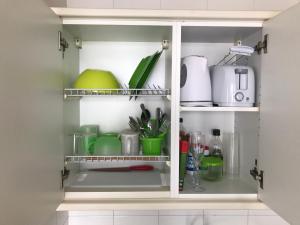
[{"x": 152, "y": 146}]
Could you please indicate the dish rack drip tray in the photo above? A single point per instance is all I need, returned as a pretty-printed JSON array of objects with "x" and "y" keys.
[{"x": 93, "y": 179}]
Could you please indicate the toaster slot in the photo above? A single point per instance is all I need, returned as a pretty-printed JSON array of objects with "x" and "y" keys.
[{"x": 241, "y": 79}]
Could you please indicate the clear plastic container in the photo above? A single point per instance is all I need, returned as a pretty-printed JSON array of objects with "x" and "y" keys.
[{"x": 211, "y": 168}]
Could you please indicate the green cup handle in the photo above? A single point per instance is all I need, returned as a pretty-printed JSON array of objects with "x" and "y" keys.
[{"x": 91, "y": 147}]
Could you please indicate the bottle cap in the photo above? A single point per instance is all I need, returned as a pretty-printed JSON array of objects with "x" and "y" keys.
[
  {"x": 216, "y": 132},
  {"x": 206, "y": 150}
]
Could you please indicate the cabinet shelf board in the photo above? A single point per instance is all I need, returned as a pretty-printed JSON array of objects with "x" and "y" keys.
[
  {"x": 154, "y": 203},
  {"x": 167, "y": 14},
  {"x": 219, "y": 109},
  {"x": 226, "y": 188}
]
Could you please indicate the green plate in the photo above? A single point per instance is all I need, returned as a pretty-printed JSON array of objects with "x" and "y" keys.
[{"x": 143, "y": 70}]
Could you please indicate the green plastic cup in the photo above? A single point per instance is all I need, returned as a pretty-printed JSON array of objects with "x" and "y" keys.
[
  {"x": 86, "y": 144},
  {"x": 152, "y": 146}
]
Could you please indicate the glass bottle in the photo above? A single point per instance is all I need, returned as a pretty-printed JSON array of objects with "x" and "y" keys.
[
  {"x": 216, "y": 146},
  {"x": 182, "y": 130}
]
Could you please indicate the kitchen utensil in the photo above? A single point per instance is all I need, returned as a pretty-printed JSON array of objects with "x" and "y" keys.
[
  {"x": 151, "y": 130},
  {"x": 164, "y": 116},
  {"x": 140, "y": 122},
  {"x": 130, "y": 142},
  {"x": 165, "y": 125},
  {"x": 158, "y": 116},
  {"x": 146, "y": 115},
  {"x": 154, "y": 129},
  {"x": 151, "y": 146},
  {"x": 134, "y": 125},
  {"x": 233, "y": 86},
  {"x": 97, "y": 79},
  {"x": 195, "y": 84},
  {"x": 124, "y": 169},
  {"x": 211, "y": 168},
  {"x": 143, "y": 70},
  {"x": 108, "y": 145}
]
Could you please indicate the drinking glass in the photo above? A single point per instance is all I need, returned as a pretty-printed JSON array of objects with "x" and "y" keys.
[{"x": 196, "y": 149}]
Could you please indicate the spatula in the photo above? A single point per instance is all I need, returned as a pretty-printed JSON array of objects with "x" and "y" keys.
[{"x": 124, "y": 169}]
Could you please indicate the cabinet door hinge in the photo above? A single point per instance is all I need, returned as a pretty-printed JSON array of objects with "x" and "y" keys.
[
  {"x": 64, "y": 175},
  {"x": 62, "y": 43},
  {"x": 262, "y": 45},
  {"x": 258, "y": 175}
]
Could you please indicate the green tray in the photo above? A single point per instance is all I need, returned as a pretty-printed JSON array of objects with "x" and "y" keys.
[{"x": 143, "y": 70}]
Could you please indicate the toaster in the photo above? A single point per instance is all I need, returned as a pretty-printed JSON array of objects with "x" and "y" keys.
[{"x": 233, "y": 85}]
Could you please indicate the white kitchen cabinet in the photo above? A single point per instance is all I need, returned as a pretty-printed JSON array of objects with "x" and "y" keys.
[
  {"x": 273, "y": 5},
  {"x": 136, "y": 4},
  {"x": 230, "y": 5},
  {"x": 180, "y": 5},
  {"x": 267, "y": 133},
  {"x": 93, "y": 4}
]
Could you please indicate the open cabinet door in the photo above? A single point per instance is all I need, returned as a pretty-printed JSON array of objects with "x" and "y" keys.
[
  {"x": 31, "y": 112},
  {"x": 279, "y": 155}
]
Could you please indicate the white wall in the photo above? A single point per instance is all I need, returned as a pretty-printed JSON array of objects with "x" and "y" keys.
[
  {"x": 180, "y": 4},
  {"x": 104, "y": 55},
  {"x": 176, "y": 217}
]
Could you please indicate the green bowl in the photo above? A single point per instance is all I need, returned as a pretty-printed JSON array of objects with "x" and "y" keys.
[
  {"x": 96, "y": 79},
  {"x": 108, "y": 145}
]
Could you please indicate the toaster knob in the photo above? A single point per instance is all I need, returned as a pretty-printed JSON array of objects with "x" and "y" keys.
[{"x": 239, "y": 96}]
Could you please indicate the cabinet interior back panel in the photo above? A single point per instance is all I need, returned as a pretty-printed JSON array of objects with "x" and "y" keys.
[
  {"x": 121, "y": 58},
  {"x": 214, "y": 52},
  {"x": 216, "y": 34},
  {"x": 129, "y": 33}
]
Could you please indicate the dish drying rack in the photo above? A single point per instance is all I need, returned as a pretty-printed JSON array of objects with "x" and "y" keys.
[
  {"x": 154, "y": 90},
  {"x": 236, "y": 54},
  {"x": 77, "y": 159}
]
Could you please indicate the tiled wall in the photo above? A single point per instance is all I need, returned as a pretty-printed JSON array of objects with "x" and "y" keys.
[
  {"x": 176, "y": 217},
  {"x": 186, "y": 4}
]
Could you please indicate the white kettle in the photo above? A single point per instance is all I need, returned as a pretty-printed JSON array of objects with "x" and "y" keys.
[{"x": 195, "y": 83}]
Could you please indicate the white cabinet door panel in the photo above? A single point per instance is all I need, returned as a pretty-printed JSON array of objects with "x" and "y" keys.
[
  {"x": 91, "y": 220},
  {"x": 90, "y": 4},
  {"x": 225, "y": 220},
  {"x": 136, "y": 4},
  {"x": 136, "y": 220},
  {"x": 181, "y": 220},
  {"x": 279, "y": 152},
  {"x": 187, "y": 4},
  {"x": 31, "y": 106},
  {"x": 273, "y": 4},
  {"x": 230, "y": 5},
  {"x": 266, "y": 220}
]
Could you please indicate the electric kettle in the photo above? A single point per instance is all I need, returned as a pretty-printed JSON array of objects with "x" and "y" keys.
[{"x": 195, "y": 84}]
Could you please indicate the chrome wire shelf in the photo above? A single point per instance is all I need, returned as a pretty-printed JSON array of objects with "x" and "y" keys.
[
  {"x": 76, "y": 159},
  {"x": 155, "y": 91}
]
